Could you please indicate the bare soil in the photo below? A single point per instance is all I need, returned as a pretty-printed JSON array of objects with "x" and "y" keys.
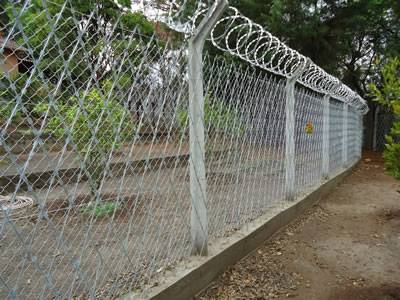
[
  {"x": 347, "y": 247},
  {"x": 86, "y": 255}
]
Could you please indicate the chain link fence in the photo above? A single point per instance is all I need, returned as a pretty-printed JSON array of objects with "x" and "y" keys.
[
  {"x": 95, "y": 147},
  {"x": 383, "y": 122}
]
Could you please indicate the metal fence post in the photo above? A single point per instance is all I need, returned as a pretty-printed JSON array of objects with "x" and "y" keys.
[
  {"x": 290, "y": 161},
  {"x": 325, "y": 137},
  {"x": 345, "y": 134},
  {"x": 198, "y": 184}
]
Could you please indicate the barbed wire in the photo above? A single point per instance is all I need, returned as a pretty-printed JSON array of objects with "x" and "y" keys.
[
  {"x": 240, "y": 36},
  {"x": 251, "y": 42}
]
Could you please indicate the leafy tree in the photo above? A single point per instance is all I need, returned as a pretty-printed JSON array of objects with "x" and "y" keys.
[
  {"x": 387, "y": 93},
  {"x": 76, "y": 45},
  {"x": 346, "y": 38},
  {"x": 80, "y": 43}
]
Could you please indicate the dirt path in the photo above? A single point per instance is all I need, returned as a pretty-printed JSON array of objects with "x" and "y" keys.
[{"x": 346, "y": 247}]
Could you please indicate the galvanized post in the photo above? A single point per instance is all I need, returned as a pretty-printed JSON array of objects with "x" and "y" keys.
[
  {"x": 290, "y": 162},
  {"x": 325, "y": 137},
  {"x": 198, "y": 184},
  {"x": 345, "y": 134}
]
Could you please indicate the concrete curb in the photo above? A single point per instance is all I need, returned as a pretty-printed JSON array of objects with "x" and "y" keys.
[{"x": 189, "y": 278}]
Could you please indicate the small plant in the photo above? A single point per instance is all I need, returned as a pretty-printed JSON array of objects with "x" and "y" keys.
[
  {"x": 388, "y": 94},
  {"x": 100, "y": 210}
]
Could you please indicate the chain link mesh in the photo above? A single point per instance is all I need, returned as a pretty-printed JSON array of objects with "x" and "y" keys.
[
  {"x": 94, "y": 149},
  {"x": 383, "y": 122},
  {"x": 335, "y": 135}
]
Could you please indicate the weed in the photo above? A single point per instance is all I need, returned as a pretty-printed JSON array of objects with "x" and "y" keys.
[{"x": 100, "y": 210}]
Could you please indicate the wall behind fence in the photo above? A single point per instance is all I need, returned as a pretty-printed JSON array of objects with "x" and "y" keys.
[{"x": 95, "y": 186}]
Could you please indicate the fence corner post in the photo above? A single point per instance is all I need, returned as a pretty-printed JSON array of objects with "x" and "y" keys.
[
  {"x": 325, "y": 137},
  {"x": 197, "y": 170},
  {"x": 290, "y": 161}
]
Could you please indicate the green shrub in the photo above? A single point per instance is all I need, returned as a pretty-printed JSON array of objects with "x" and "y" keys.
[
  {"x": 218, "y": 117},
  {"x": 392, "y": 153},
  {"x": 11, "y": 88},
  {"x": 94, "y": 124},
  {"x": 388, "y": 94},
  {"x": 6, "y": 109}
]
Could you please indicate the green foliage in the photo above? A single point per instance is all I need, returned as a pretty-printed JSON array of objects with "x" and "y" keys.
[
  {"x": 100, "y": 210},
  {"x": 73, "y": 57},
  {"x": 392, "y": 151},
  {"x": 388, "y": 94},
  {"x": 95, "y": 125},
  {"x": 12, "y": 87},
  {"x": 6, "y": 109},
  {"x": 40, "y": 28},
  {"x": 16, "y": 94},
  {"x": 132, "y": 20},
  {"x": 343, "y": 37},
  {"x": 218, "y": 117}
]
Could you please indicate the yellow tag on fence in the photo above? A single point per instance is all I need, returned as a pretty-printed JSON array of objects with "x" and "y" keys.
[{"x": 309, "y": 128}]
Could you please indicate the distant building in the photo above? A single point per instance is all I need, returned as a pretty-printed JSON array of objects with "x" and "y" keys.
[{"x": 13, "y": 58}]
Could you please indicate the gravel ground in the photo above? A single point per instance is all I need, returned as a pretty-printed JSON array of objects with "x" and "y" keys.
[{"x": 346, "y": 247}]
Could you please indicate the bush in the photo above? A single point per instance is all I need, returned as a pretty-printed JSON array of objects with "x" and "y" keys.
[
  {"x": 392, "y": 152},
  {"x": 11, "y": 88},
  {"x": 388, "y": 94},
  {"x": 94, "y": 125},
  {"x": 218, "y": 117},
  {"x": 6, "y": 109}
]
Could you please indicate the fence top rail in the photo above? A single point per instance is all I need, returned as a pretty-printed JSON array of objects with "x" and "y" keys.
[{"x": 240, "y": 36}]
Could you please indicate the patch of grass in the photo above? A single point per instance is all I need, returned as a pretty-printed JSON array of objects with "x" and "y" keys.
[{"x": 100, "y": 210}]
